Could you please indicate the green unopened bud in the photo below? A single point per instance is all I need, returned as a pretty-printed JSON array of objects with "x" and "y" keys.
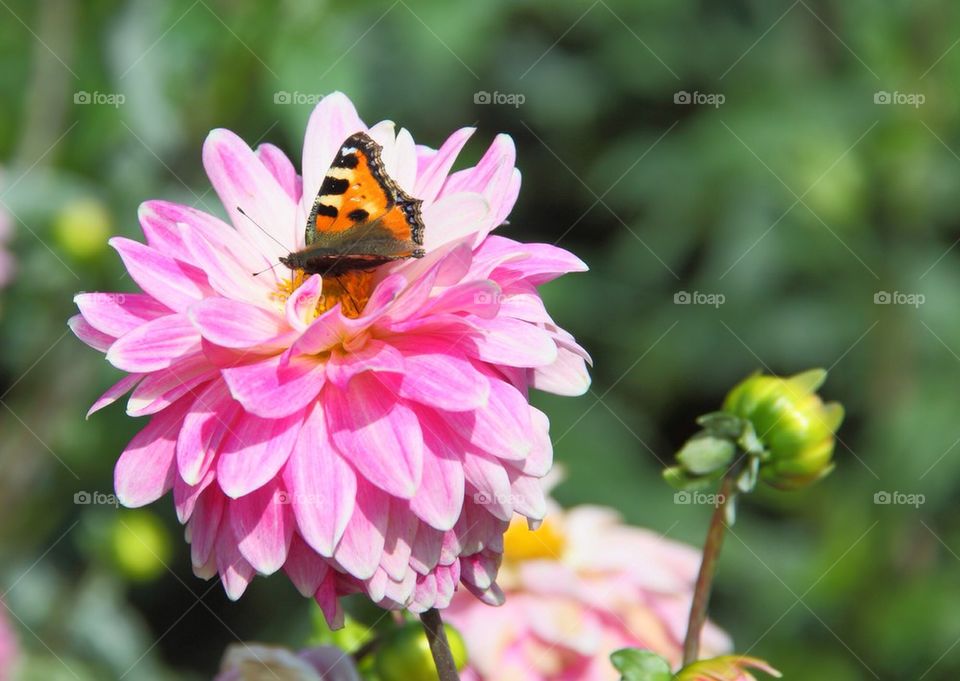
[
  {"x": 140, "y": 545},
  {"x": 793, "y": 424},
  {"x": 82, "y": 226},
  {"x": 405, "y": 654}
]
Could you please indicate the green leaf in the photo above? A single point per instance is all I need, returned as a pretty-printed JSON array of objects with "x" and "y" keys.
[
  {"x": 640, "y": 665},
  {"x": 750, "y": 443},
  {"x": 706, "y": 454},
  {"x": 679, "y": 478},
  {"x": 722, "y": 424}
]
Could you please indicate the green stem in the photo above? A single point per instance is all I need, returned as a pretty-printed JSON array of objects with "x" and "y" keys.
[
  {"x": 708, "y": 567},
  {"x": 439, "y": 647}
]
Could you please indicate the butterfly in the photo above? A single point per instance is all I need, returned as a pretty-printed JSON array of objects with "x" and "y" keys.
[{"x": 361, "y": 218}]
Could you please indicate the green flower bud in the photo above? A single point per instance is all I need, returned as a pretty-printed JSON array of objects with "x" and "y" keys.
[
  {"x": 82, "y": 227},
  {"x": 405, "y": 654},
  {"x": 140, "y": 545},
  {"x": 791, "y": 421}
]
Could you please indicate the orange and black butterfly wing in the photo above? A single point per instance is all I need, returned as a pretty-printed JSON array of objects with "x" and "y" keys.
[{"x": 361, "y": 217}]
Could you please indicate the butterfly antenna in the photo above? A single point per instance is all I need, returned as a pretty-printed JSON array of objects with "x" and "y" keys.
[
  {"x": 272, "y": 267},
  {"x": 279, "y": 243}
]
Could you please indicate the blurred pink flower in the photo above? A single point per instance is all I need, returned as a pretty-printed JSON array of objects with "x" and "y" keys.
[
  {"x": 254, "y": 662},
  {"x": 7, "y": 265},
  {"x": 382, "y": 451},
  {"x": 9, "y": 649},
  {"x": 580, "y": 587}
]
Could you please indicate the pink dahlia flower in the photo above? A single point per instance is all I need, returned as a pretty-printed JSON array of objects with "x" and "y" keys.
[
  {"x": 253, "y": 662},
  {"x": 379, "y": 443},
  {"x": 580, "y": 587}
]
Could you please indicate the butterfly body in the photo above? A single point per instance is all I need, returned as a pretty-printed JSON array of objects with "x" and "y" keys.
[{"x": 360, "y": 218}]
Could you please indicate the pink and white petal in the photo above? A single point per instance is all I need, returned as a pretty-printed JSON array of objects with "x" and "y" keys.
[
  {"x": 159, "y": 220},
  {"x": 115, "y": 392},
  {"x": 302, "y": 304},
  {"x": 145, "y": 470},
  {"x": 539, "y": 264},
  {"x": 272, "y": 390},
  {"x": 323, "y": 333},
  {"x": 228, "y": 277},
  {"x": 235, "y": 572},
  {"x": 540, "y": 460},
  {"x": 481, "y": 298},
  {"x": 186, "y": 496},
  {"x": 384, "y": 133},
  {"x": 405, "y": 162},
  {"x": 263, "y": 524},
  {"x": 567, "y": 375},
  {"x": 278, "y": 165},
  {"x": 456, "y": 257},
  {"x": 361, "y": 546},
  {"x": 333, "y": 120},
  {"x": 235, "y": 324},
  {"x": 322, "y": 486},
  {"x": 513, "y": 343},
  {"x": 491, "y": 482},
  {"x": 434, "y": 168},
  {"x": 118, "y": 313},
  {"x": 254, "y": 451},
  {"x": 82, "y": 329},
  {"x": 398, "y": 544},
  {"x": 438, "y": 377},
  {"x": 258, "y": 206},
  {"x": 528, "y": 496},
  {"x": 173, "y": 283},
  {"x": 161, "y": 388},
  {"x": 155, "y": 345},
  {"x": 439, "y": 498},
  {"x": 376, "y": 432},
  {"x": 205, "y": 524},
  {"x": 328, "y": 599},
  {"x": 426, "y": 549},
  {"x": 479, "y": 570},
  {"x": 373, "y": 356},
  {"x": 454, "y": 217},
  {"x": 205, "y": 426},
  {"x": 304, "y": 567},
  {"x": 502, "y": 428}
]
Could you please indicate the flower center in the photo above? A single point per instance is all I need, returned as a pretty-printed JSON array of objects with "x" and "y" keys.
[
  {"x": 520, "y": 543},
  {"x": 351, "y": 289}
]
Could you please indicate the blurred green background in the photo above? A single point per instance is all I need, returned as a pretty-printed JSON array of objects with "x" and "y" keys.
[{"x": 798, "y": 160}]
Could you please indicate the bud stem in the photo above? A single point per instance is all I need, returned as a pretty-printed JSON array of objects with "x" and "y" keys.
[
  {"x": 708, "y": 567},
  {"x": 439, "y": 647}
]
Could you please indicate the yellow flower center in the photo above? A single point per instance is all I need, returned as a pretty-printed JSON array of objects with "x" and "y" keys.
[
  {"x": 351, "y": 289},
  {"x": 521, "y": 543}
]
